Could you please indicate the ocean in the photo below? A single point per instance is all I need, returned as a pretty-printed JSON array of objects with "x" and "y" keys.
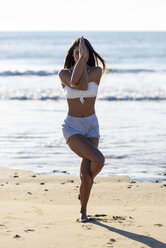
[{"x": 131, "y": 103}]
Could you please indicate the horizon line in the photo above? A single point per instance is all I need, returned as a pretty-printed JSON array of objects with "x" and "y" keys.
[{"x": 83, "y": 30}]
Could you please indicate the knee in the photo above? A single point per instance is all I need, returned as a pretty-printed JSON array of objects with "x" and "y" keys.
[{"x": 99, "y": 161}]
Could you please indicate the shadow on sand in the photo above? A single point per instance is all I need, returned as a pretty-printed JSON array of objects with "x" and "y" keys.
[{"x": 151, "y": 242}]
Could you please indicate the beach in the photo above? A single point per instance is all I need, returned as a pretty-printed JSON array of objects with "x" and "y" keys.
[
  {"x": 130, "y": 105},
  {"x": 43, "y": 210},
  {"x": 39, "y": 174}
]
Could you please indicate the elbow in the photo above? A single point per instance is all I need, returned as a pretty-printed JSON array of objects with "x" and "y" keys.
[
  {"x": 72, "y": 82},
  {"x": 78, "y": 87},
  {"x": 74, "y": 86},
  {"x": 84, "y": 87}
]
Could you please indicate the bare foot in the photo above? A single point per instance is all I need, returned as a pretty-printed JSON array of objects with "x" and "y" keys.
[{"x": 83, "y": 217}]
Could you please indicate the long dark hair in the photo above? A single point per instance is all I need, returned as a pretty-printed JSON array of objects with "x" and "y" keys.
[{"x": 93, "y": 56}]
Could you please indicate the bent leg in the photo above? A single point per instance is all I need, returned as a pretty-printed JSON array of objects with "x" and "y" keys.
[{"x": 84, "y": 148}]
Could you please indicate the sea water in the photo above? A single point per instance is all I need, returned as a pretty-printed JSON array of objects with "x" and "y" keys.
[{"x": 131, "y": 103}]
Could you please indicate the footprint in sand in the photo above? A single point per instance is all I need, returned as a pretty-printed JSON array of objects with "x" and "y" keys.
[
  {"x": 159, "y": 225},
  {"x": 127, "y": 220},
  {"x": 17, "y": 236},
  {"x": 98, "y": 217},
  {"x": 110, "y": 242},
  {"x": 88, "y": 227},
  {"x": 29, "y": 230},
  {"x": 2, "y": 225}
]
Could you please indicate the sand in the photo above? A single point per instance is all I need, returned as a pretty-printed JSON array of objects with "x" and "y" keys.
[{"x": 41, "y": 211}]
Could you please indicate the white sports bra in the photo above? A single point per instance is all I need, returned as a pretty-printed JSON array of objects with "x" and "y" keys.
[{"x": 74, "y": 93}]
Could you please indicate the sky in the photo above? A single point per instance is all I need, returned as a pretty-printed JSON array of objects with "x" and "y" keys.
[{"x": 67, "y": 15}]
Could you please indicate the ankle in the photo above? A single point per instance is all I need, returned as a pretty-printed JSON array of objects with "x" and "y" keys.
[{"x": 83, "y": 210}]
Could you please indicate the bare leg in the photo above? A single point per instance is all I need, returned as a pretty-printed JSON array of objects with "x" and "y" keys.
[
  {"x": 86, "y": 181},
  {"x": 92, "y": 163},
  {"x": 85, "y": 187}
]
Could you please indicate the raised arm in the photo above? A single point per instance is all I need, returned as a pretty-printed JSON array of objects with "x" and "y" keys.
[
  {"x": 79, "y": 77},
  {"x": 79, "y": 73},
  {"x": 65, "y": 78},
  {"x": 83, "y": 82}
]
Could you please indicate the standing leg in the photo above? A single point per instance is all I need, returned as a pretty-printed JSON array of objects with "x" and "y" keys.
[
  {"x": 86, "y": 181},
  {"x": 92, "y": 163},
  {"x": 85, "y": 187}
]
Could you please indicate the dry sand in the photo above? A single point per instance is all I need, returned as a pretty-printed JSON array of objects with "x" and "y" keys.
[{"x": 41, "y": 211}]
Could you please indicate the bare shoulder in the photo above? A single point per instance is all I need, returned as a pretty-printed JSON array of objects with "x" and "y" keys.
[
  {"x": 64, "y": 75},
  {"x": 63, "y": 72},
  {"x": 95, "y": 74},
  {"x": 96, "y": 69}
]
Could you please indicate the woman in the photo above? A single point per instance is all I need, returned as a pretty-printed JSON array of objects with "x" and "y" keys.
[{"x": 80, "y": 79}]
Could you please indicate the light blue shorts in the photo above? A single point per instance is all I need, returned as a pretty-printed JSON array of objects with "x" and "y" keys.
[{"x": 86, "y": 126}]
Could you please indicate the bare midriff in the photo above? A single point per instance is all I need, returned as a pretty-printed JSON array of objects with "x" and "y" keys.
[{"x": 77, "y": 109}]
